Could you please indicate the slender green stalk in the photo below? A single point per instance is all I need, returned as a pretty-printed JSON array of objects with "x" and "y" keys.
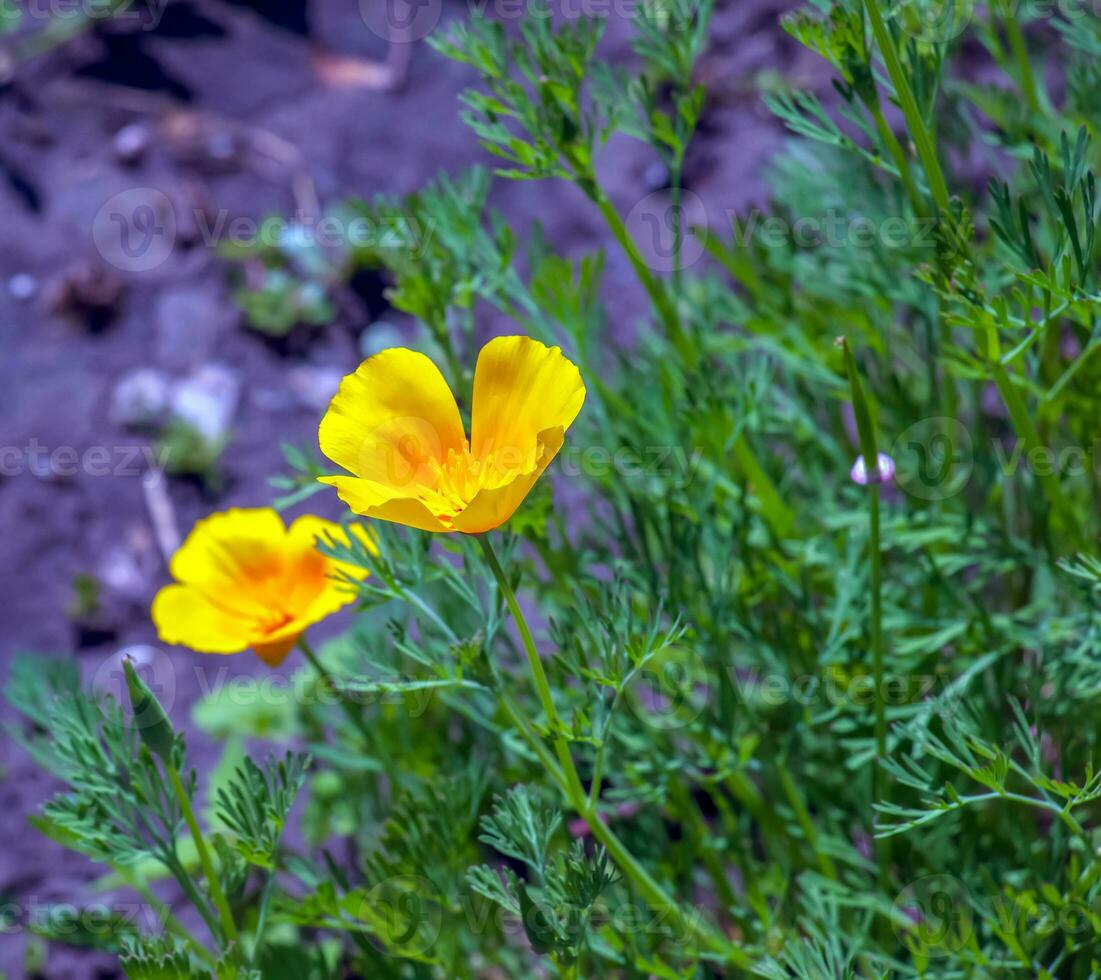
[
  {"x": 869, "y": 451},
  {"x": 1027, "y": 432},
  {"x": 598, "y": 773},
  {"x": 654, "y": 287},
  {"x": 171, "y": 923},
  {"x": 777, "y": 514},
  {"x": 898, "y": 154},
  {"x": 194, "y": 896},
  {"x": 516, "y": 717},
  {"x": 1020, "y": 53},
  {"x": 879, "y": 791},
  {"x": 225, "y": 916},
  {"x": 923, "y": 141},
  {"x": 262, "y": 915},
  {"x": 806, "y": 824},
  {"x": 654, "y": 893},
  {"x": 539, "y": 675},
  {"x": 354, "y": 715},
  {"x": 575, "y": 793},
  {"x": 676, "y": 195}
]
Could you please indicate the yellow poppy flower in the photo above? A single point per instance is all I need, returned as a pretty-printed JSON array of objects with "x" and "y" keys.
[
  {"x": 395, "y": 426},
  {"x": 244, "y": 579}
]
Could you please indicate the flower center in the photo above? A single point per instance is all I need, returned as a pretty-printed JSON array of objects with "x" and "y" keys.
[
  {"x": 272, "y": 620},
  {"x": 459, "y": 478}
]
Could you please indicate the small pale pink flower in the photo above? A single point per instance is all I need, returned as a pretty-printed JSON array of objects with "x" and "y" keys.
[{"x": 885, "y": 471}]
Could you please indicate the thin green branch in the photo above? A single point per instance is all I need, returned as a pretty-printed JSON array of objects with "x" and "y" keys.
[
  {"x": 225, "y": 916},
  {"x": 923, "y": 140}
]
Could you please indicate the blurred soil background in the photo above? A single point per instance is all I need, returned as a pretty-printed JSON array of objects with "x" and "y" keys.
[{"x": 230, "y": 109}]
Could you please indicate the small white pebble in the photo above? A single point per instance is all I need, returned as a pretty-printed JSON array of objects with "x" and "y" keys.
[
  {"x": 22, "y": 286},
  {"x": 131, "y": 142}
]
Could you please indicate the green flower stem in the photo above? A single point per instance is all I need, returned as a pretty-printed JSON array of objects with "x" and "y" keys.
[
  {"x": 512, "y": 712},
  {"x": 353, "y": 713},
  {"x": 517, "y": 719},
  {"x": 884, "y": 849},
  {"x": 923, "y": 141},
  {"x": 225, "y": 916},
  {"x": 535, "y": 663},
  {"x": 575, "y": 793},
  {"x": 869, "y": 451}
]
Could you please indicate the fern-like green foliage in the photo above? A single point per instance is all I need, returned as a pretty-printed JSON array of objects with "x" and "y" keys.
[
  {"x": 772, "y": 717},
  {"x": 256, "y": 802}
]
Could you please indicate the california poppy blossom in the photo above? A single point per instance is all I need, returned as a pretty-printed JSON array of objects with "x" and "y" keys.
[
  {"x": 395, "y": 427},
  {"x": 244, "y": 579}
]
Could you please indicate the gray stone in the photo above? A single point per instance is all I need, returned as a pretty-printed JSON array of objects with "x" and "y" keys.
[
  {"x": 314, "y": 386},
  {"x": 120, "y": 572},
  {"x": 140, "y": 398},
  {"x": 207, "y": 400}
]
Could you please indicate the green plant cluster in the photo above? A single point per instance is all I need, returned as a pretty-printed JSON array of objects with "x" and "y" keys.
[{"x": 783, "y": 722}]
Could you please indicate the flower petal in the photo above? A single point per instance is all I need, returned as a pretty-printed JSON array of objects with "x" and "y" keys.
[
  {"x": 189, "y": 618},
  {"x": 309, "y": 530},
  {"x": 521, "y": 389},
  {"x": 390, "y": 418},
  {"x": 370, "y": 500},
  {"x": 490, "y": 508},
  {"x": 235, "y": 556}
]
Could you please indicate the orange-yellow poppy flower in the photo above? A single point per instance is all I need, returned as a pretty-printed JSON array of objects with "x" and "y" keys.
[
  {"x": 395, "y": 426},
  {"x": 244, "y": 579}
]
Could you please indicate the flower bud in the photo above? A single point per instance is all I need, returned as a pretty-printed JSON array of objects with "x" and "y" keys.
[{"x": 149, "y": 717}]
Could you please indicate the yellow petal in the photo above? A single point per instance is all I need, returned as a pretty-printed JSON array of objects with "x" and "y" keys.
[
  {"x": 309, "y": 530},
  {"x": 185, "y": 616},
  {"x": 368, "y": 499},
  {"x": 390, "y": 419},
  {"x": 492, "y": 507},
  {"x": 236, "y": 557},
  {"x": 521, "y": 388}
]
